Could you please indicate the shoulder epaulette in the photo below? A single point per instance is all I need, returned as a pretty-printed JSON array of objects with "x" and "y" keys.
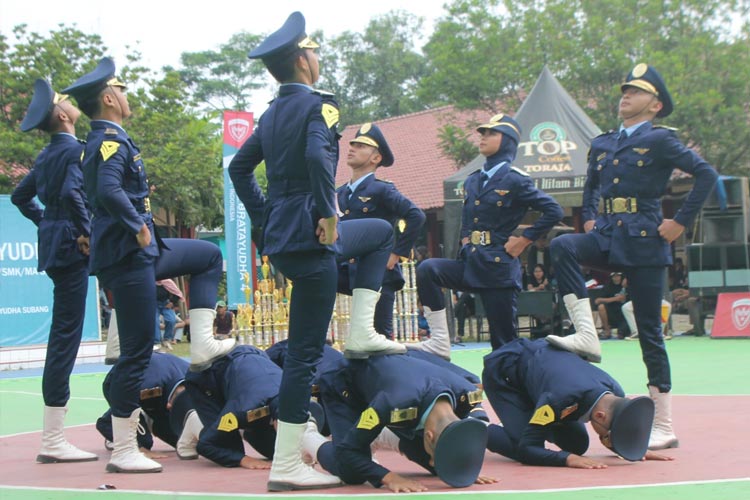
[
  {"x": 384, "y": 180},
  {"x": 520, "y": 171},
  {"x": 665, "y": 127},
  {"x": 611, "y": 131},
  {"x": 110, "y": 131},
  {"x": 323, "y": 93},
  {"x": 475, "y": 172}
]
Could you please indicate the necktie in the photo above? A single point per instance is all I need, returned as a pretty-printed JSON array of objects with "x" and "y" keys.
[
  {"x": 484, "y": 177},
  {"x": 349, "y": 192},
  {"x": 623, "y": 135}
]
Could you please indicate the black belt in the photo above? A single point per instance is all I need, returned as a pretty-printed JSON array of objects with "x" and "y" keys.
[{"x": 288, "y": 186}]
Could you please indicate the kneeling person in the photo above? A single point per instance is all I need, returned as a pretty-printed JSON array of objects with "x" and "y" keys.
[
  {"x": 542, "y": 393},
  {"x": 424, "y": 406}
]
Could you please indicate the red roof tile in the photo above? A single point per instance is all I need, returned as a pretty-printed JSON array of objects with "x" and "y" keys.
[{"x": 420, "y": 166}]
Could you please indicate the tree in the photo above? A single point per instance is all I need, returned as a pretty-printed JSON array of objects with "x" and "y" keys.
[
  {"x": 59, "y": 58},
  {"x": 182, "y": 152},
  {"x": 483, "y": 51},
  {"x": 224, "y": 79},
  {"x": 374, "y": 75}
]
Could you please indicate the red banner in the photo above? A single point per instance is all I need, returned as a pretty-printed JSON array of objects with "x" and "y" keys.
[
  {"x": 732, "y": 315},
  {"x": 238, "y": 125}
]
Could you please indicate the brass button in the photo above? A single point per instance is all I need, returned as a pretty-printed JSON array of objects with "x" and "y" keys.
[
  {"x": 497, "y": 259},
  {"x": 463, "y": 398},
  {"x": 616, "y": 162},
  {"x": 499, "y": 203},
  {"x": 345, "y": 394},
  {"x": 643, "y": 233},
  {"x": 476, "y": 219},
  {"x": 616, "y": 180},
  {"x": 352, "y": 261},
  {"x": 640, "y": 163},
  {"x": 346, "y": 212},
  {"x": 473, "y": 249},
  {"x": 477, "y": 202},
  {"x": 619, "y": 223},
  {"x": 364, "y": 210},
  {"x": 599, "y": 167}
]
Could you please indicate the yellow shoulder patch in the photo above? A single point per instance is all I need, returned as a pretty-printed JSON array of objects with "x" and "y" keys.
[
  {"x": 330, "y": 114},
  {"x": 228, "y": 423},
  {"x": 543, "y": 415},
  {"x": 108, "y": 148},
  {"x": 368, "y": 420}
]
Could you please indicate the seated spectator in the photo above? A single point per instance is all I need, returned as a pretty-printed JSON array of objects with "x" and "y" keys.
[
  {"x": 464, "y": 307},
  {"x": 538, "y": 280},
  {"x": 224, "y": 321},
  {"x": 682, "y": 300},
  {"x": 609, "y": 305}
]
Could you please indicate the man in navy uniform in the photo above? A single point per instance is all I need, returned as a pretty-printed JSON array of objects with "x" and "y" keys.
[
  {"x": 297, "y": 227},
  {"x": 168, "y": 410},
  {"x": 542, "y": 393},
  {"x": 365, "y": 196},
  {"x": 237, "y": 398},
  {"x": 127, "y": 260},
  {"x": 426, "y": 408},
  {"x": 63, "y": 231},
  {"x": 496, "y": 199},
  {"x": 630, "y": 169}
]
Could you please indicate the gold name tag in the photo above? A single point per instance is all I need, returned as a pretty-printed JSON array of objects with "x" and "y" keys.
[
  {"x": 258, "y": 413},
  {"x": 154, "y": 392},
  {"x": 403, "y": 415}
]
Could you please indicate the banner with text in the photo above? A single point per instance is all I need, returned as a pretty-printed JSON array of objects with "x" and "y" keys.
[
  {"x": 25, "y": 293},
  {"x": 240, "y": 252}
]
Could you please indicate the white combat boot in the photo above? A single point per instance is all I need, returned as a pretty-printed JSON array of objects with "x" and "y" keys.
[
  {"x": 187, "y": 444},
  {"x": 662, "y": 433},
  {"x": 54, "y": 446},
  {"x": 126, "y": 457},
  {"x": 312, "y": 440},
  {"x": 288, "y": 471},
  {"x": 112, "y": 353},
  {"x": 439, "y": 342},
  {"x": 585, "y": 342},
  {"x": 204, "y": 348},
  {"x": 363, "y": 340}
]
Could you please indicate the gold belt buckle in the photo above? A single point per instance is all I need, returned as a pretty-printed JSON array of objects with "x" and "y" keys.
[
  {"x": 619, "y": 205},
  {"x": 147, "y": 205},
  {"x": 480, "y": 238}
]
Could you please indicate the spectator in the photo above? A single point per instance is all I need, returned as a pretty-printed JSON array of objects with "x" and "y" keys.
[
  {"x": 609, "y": 305},
  {"x": 538, "y": 280},
  {"x": 224, "y": 319},
  {"x": 464, "y": 306}
]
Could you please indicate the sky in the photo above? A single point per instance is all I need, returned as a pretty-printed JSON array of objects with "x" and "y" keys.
[{"x": 163, "y": 29}]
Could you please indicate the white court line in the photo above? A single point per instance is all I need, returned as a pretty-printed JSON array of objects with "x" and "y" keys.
[
  {"x": 39, "y": 394},
  {"x": 374, "y": 495}
]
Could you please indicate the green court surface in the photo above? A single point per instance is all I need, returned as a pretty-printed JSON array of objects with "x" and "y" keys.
[{"x": 700, "y": 366}]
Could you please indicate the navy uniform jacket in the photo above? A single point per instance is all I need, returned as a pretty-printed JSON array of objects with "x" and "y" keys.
[
  {"x": 298, "y": 139},
  {"x": 552, "y": 385},
  {"x": 57, "y": 181},
  {"x": 498, "y": 208},
  {"x": 640, "y": 167},
  {"x": 225, "y": 396},
  {"x": 163, "y": 374},
  {"x": 117, "y": 190},
  {"x": 277, "y": 354},
  {"x": 394, "y": 391},
  {"x": 375, "y": 198}
]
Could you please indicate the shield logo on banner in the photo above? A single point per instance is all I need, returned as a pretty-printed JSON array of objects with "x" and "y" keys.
[
  {"x": 741, "y": 313},
  {"x": 239, "y": 128}
]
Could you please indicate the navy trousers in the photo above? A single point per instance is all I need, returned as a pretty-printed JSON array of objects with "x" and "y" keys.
[
  {"x": 315, "y": 278},
  {"x": 68, "y": 310},
  {"x": 645, "y": 286},
  {"x": 499, "y": 303},
  {"x": 133, "y": 284}
]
